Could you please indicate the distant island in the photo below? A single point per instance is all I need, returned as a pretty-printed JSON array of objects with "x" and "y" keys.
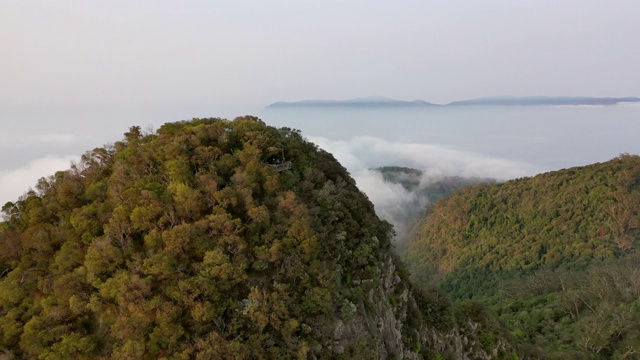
[
  {"x": 383, "y": 102},
  {"x": 544, "y": 100},
  {"x": 376, "y": 101}
]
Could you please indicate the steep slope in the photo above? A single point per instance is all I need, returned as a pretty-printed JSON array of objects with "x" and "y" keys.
[
  {"x": 192, "y": 243},
  {"x": 532, "y": 248},
  {"x": 414, "y": 190}
]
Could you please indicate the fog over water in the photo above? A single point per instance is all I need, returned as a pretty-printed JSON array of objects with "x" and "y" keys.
[
  {"x": 475, "y": 141},
  {"x": 534, "y": 138},
  {"x": 77, "y": 74}
]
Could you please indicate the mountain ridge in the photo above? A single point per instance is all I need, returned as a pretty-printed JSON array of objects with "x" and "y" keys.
[
  {"x": 554, "y": 255},
  {"x": 384, "y": 102},
  {"x": 373, "y": 101}
]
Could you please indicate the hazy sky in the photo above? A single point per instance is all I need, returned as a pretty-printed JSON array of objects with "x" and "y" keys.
[{"x": 76, "y": 74}]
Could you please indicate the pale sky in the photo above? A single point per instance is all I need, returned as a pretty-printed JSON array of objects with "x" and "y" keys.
[{"x": 76, "y": 74}]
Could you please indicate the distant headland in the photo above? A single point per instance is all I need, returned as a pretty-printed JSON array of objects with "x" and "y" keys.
[
  {"x": 544, "y": 100},
  {"x": 383, "y": 102},
  {"x": 375, "y": 101}
]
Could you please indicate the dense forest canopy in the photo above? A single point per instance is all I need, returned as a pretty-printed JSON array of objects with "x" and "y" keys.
[
  {"x": 189, "y": 243},
  {"x": 554, "y": 255}
]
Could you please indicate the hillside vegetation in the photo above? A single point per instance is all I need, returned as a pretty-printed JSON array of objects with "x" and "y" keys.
[
  {"x": 188, "y": 243},
  {"x": 418, "y": 189},
  {"x": 431, "y": 189},
  {"x": 554, "y": 255}
]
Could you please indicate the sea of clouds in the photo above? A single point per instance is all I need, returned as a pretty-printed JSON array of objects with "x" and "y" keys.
[{"x": 392, "y": 201}]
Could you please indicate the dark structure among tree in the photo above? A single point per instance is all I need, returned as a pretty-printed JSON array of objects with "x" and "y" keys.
[{"x": 281, "y": 166}]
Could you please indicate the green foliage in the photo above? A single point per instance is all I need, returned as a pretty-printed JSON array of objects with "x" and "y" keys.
[
  {"x": 186, "y": 244},
  {"x": 436, "y": 308},
  {"x": 563, "y": 217},
  {"x": 591, "y": 312},
  {"x": 553, "y": 255}
]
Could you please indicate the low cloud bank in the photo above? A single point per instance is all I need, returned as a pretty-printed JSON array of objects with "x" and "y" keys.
[
  {"x": 393, "y": 202},
  {"x": 16, "y": 182},
  {"x": 401, "y": 205},
  {"x": 368, "y": 152}
]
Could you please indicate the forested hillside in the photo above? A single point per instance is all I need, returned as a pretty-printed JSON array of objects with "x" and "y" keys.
[
  {"x": 422, "y": 189},
  {"x": 216, "y": 239},
  {"x": 554, "y": 255}
]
